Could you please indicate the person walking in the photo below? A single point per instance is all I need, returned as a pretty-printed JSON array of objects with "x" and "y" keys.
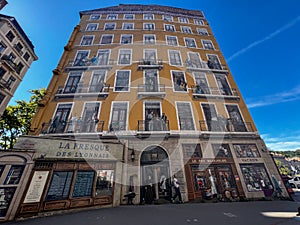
[{"x": 177, "y": 190}]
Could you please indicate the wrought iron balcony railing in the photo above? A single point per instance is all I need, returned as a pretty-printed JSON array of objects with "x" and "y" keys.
[
  {"x": 202, "y": 91},
  {"x": 100, "y": 90},
  {"x": 89, "y": 64},
  {"x": 149, "y": 90},
  {"x": 150, "y": 64},
  {"x": 204, "y": 66},
  {"x": 156, "y": 124},
  {"x": 225, "y": 125},
  {"x": 9, "y": 62},
  {"x": 72, "y": 127}
]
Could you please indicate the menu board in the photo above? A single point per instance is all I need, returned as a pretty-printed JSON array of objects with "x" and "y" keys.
[
  {"x": 36, "y": 187},
  {"x": 83, "y": 184},
  {"x": 60, "y": 185}
]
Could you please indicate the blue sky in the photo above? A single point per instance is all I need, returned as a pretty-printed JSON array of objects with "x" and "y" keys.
[{"x": 259, "y": 39}]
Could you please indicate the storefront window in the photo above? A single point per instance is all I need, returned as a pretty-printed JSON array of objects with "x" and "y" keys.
[
  {"x": 60, "y": 185},
  {"x": 104, "y": 183},
  {"x": 221, "y": 150},
  {"x": 14, "y": 175},
  {"x": 6, "y": 195},
  {"x": 200, "y": 181},
  {"x": 246, "y": 150},
  {"x": 192, "y": 151},
  {"x": 83, "y": 184},
  {"x": 256, "y": 177}
]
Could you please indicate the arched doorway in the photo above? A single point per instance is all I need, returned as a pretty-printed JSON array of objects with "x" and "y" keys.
[{"x": 155, "y": 175}]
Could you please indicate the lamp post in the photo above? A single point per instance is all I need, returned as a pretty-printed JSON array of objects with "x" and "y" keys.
[{"x": 132, "y": 155}]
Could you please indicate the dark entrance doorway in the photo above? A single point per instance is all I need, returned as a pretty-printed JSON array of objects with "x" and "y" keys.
[{"x": 155, "y": 175}]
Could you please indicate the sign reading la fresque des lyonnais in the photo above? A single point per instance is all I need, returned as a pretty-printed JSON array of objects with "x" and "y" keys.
[{"x": 71, "y": 149}]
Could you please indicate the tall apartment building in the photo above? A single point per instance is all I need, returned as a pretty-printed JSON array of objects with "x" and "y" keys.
[
  {"x": 16, "y": 55},
  {"x": 142, "y": 92}
]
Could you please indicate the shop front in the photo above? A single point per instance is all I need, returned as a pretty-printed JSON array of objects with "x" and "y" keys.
[
  {"x": 211, "y": 175},
  {"x": 70, "y": 174}
]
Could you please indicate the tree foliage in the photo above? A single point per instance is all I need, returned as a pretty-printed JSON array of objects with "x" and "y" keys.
[{"x": 16, "y": 119}]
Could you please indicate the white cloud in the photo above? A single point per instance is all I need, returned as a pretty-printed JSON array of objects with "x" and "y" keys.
[
  {"x": 286, "y": 96},
  {"x": 282, "y": 143},
  {"x": 268, "y": 37}
]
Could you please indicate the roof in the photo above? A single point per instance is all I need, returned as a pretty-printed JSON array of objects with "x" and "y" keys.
[
  {"x": 19, "y": 29},
  {"x": 122, "y": 8}
]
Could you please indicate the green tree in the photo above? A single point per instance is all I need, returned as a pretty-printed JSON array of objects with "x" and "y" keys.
[{"x": 16, "y": 119}]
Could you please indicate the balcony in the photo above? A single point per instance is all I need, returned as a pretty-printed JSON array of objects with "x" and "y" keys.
[
  {"x": 214, "y": 93},
  {"x": 148, "y": 90},
  {"x": 154, "y": 125},
  {"x": 225, "y": 125},
  {"x": 9, "y": 62},
  {"x": 89, "y": 64},
  {"x": 72, "y": 127},
  {"x": 204, "y": 67},
  {"x": 150, "y": 64},
  {"x": 81, "y": 90}
]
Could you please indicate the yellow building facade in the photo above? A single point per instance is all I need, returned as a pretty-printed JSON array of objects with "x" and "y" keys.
[{"x": 142, "y": 93}]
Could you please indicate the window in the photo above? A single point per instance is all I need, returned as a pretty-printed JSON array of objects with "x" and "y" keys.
[
  {"x": 60, "y": 185},
  {"x": 11, "y": 57},
  {"x": 179, "y": 82},
  {"x": 106, "y": 39},
  {"x": 211, "y": 117},
  {"x": 213, "y": 62},
  {"x": 207, "y": 45},
  {"x": 198, "y": 22},
  {"x": 124, "y": 57},
  {"x": 95, "y": 17},
  {"x": 7, "y": 194},
  {"x": 103, "y": 57},
  {"x": 148, "y": 26},
  {"x": 128, "y": 26},
  {"x": 185, "y": 116},
  {"x": 14, "y": 175},
  {"x": 19, "y": 67},
  {"x": 151, "y": 81},
  {"x": 236, "y": 122},
  {"x": 149, "y": 39},
  {"x": 186, "y": 30},
  {"x": 105, "y": 182},
  {"x": 128, "y": 16},
  {"x": 90, "y": 112},
  {"x": 175, "y": 58},
  {"x": 122, "y": 80},
  {"x": 109, "y": 26},
  {"x": 223, "y": 84},
  {"x": 126, "y": 39},
  {"x": 2, "y": 46},
  {"x": 168, "y": 18},
  {"x": 193, "y": 60},
  {"x": 152, "y": 116},
  {"x": 10, "y": 36},
  {"x": 2, "y": 97},
  {"x": 118, "y": 116},
  {"x": 98, "y": 81},
  {"x": 169, "y": 27},
  {"x": 112, "y": 16},
  {"x": 9, "y": 82},
  {"x": 19, "y": 48},
  {"x": 72, "y": 83},
  {"x": 91, "y": 27},
  {"x": 246, "y": 151},
  {"x": 183, "y": 20},
  {"x": 172, "y": 40},
  {"x": 191, "y": 151},
  {"x": 190, "y": 42},
  {"x": 2, "y": 72},
  {"x": 256, "y": 177},
  {"x": 202, "y": 31},
  {"x": 87, "y": 40},
  {"x": 150, "y": 55},
  {"x": 81, "y": 58},
  {"x": 60, "y": 119},
  {"x": 148, "y": 16},
  {"x": 221, "y": 150},
  {"x": 26, "y": 56},
  {"x": 83, "y": 184},
  {"x": 201, "y": 83}
]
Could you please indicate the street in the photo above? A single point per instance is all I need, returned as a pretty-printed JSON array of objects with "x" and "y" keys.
[{"x": 231, "y": 213}]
